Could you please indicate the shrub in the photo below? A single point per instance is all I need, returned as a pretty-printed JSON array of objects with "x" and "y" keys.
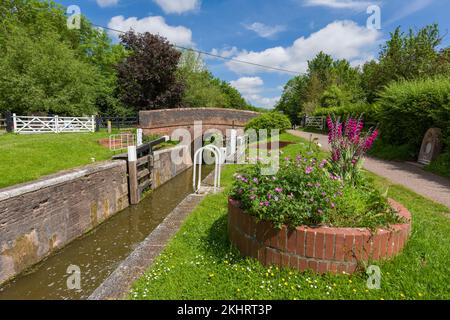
[
  {"x": 409, "y": 108},
  {"x": 304, "y": 192},
  {"x": 269, "y": 121}
]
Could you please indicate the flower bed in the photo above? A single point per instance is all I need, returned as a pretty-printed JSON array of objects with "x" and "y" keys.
[{"x": 321, "y": 249}]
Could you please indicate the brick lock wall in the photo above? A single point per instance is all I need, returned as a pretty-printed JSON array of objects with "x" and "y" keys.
[
  {"x": 322, "y": 250},
  {"x": 40, "y": 217}
]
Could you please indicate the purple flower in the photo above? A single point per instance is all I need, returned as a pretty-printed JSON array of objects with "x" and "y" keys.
[
  {"x": 333, "y": 205},
  {"x": 266, "y": 203},
  {"x": 287, "y": 159},
  {"x": 269, "y": 196},
  {"x": 323, "y": 163},
  {"x": 308, "y": 170},
  {"x": 279, "y": 190},
  {"x": 255, "y": 180}
]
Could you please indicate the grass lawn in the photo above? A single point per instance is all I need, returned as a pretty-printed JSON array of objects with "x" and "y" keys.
[
  {"x": 200, "y": 263},
  {"x": 27, "y": 157}
]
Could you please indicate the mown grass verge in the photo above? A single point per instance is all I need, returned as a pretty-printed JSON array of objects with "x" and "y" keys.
[
  {"x": 25, "y": 158},
  {"x": 200, "y": 263}
]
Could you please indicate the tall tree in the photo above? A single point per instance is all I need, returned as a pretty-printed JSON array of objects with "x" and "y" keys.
[
  {"x": 405, "y": 56},
  {"x": 147, "y": 77}
]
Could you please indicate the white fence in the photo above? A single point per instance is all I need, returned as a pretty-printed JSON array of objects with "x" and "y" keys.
[
  {"x": 315, "y": 122},
  {"x": 56, "y": 124}
]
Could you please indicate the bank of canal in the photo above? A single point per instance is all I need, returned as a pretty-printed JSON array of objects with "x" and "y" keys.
[{"x": 99, "y": 252}]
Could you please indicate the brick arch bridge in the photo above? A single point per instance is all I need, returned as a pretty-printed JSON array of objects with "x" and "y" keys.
[{"x": 164, "y": 122}]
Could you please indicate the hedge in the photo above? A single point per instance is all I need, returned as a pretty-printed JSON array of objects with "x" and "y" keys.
[
  {"x": 369, "y": 112},
  {"x": 408, "y": 109}
]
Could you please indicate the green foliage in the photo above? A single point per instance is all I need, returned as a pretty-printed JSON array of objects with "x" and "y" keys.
[
  {"x": 409, "y": 108},
  {"x": 441, "y": 165},
  {"x": 270, "y": 121},
  {"x": 333, "y": 97},
  {"x": 47, "y": 68},
  {"x": 43, "y": 75},
  {"x": 409, "y": 56},
  {"x": 368, "y": 112},
  {"x": 293, "y": 96},
  {"x": 328, "y": 83},
  {"x": 202, "y": 90}
]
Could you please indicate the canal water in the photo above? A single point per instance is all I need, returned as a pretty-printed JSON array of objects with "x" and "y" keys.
[{"x": 100, "y": 252}]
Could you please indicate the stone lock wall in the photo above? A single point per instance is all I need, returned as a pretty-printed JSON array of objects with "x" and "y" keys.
[
  {"x": 321, "y": 250},
  {"x": 164, "y": 169},
  {"x": 40, "y": 217}
]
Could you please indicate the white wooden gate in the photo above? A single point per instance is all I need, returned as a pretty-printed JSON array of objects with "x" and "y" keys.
[
  {"x": 315, "y": 122},
  {"x": 56, "y": 124}
]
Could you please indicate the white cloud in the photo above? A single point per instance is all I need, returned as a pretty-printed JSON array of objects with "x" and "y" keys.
[
  {"x": 178, "y": 6},
  {"x": 248, "y": 85},
  {"x": 157, "y": 25},
  {"x": 265, "y": 31},
  {"x": 226, "y": 52},
  {"x": 339, "y": 4},
  {"x": 107, "y": 3},
  {"x": 341, "y": 39},
  {"x": 250, "y": 88}
]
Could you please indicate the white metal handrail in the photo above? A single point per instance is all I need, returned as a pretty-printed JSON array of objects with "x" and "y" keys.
[{"x": 217, "y": 170}]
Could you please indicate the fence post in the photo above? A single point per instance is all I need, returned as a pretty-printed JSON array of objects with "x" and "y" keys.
[
  {"x": 9, "y": 121},
  {"x": 132, "y": 175},
  {"x": 93, "y": 123},
  {"x": 139, "y": 137},
  {"x": 14, "y": 122},
  {"x": 56, "y": 124},
  {"x": 109, "y": 126}
]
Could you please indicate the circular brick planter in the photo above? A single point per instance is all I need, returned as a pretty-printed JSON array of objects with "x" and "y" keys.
[{"x": 322, "y": 249}]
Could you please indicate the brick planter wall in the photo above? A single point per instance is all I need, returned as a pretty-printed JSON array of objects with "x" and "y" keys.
[{"x": 322, "y": 250}]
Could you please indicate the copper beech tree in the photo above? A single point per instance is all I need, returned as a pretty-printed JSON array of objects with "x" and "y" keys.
[{"x": 147, "y": 76}]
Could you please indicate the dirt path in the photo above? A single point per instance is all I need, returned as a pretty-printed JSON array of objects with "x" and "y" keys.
[{"x": 422, "y": 182}]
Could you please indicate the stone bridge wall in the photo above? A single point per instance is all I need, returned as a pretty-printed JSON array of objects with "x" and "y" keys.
[{"x": 164, "y": 122}]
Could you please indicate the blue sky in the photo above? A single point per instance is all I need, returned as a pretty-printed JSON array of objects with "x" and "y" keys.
[{"x": 278, "y": 33}]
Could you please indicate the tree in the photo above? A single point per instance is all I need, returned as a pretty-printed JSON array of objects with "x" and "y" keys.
[
  {"x": 293, "y": 98},
  {"x": 202, "y": 89},
  {"x": 404, "y": 57},
  {"x": 48, "y": 67},
  {"x": 147, "y": 77},
  {"x": 43, "y": 75}
]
